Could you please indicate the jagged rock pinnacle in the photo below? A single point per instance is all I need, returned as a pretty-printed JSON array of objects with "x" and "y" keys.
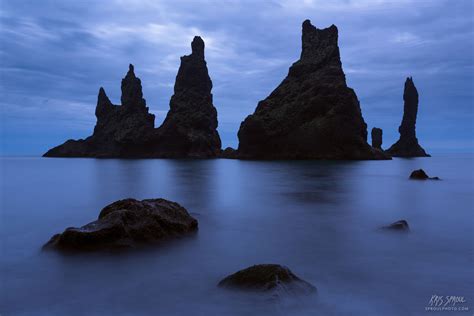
[
  {"x": 132, "y": 90},
  {"x": 197, "y": 47}
]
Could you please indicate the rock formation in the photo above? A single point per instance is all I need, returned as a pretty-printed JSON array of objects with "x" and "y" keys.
[
  {"x": 120, "y": 131},
  {"x": 420, "y": 174},
  {"x": 377, "y": 137},
  {"x": 127, "y": 223},
  {"x": 312, "y": 114},
  {"x": 267, "y": 277},
  {"x": 401, "y": 225},
  {"x": 407, "y": 145},
  {"x": 189, "y": 130}
]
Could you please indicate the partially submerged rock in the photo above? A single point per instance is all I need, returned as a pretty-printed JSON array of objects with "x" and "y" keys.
[
  {"x": 407, "y": 145},
  {"x": 127, "y": 223},
  {"x": 420, "y": 174},
  {"x": 267, "y": 277},
  {"x": 312, "y": 114},
  {"x": 229, "y": 153},
  {"x": 401, "y": 225}
]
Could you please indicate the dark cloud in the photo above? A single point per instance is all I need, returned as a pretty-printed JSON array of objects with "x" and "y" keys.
[{"x": 55, "y": 55}]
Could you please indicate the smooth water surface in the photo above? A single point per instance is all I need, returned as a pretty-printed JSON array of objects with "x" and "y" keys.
[{"x": 320, "y": 219}]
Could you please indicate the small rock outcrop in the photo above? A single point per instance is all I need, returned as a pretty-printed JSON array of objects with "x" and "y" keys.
[
  {"x": 376, "y": 134},
  {"x": 189, "y": 130},
  {"x": 420, "y": 174},
  {"x": 127, "y": 223},
  {"x": 267, "y": 277},
  {"x": 401, "y": 225},
  {"x": 229, "y": 153},
  {"x": 312, "y": 114},
  {"x": 407, "y": 145},
  {"x": 190, "y": 127}
]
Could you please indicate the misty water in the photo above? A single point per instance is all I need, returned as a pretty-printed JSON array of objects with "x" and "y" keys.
[{"x": 319, "y": 218}]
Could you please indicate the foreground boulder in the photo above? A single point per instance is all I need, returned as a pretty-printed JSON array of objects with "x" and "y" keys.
[
  {"x": 128, "y": 130},
  {"x": 420, "y": 174},
  {"x": 127, "y": 223},
  {"x": 267, "y": 277},
  {"x": 407, "y": 145},
  {"x": 312, "y": 114},
  {"x": 401, "y": 225}
]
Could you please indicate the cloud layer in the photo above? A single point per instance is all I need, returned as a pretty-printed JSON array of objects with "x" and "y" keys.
[{"x": 55, "y": 55}]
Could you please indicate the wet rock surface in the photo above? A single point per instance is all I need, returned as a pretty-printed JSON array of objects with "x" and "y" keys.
[
  {"x": 127, "y": 223},
  {"x": 312, "y": 114},
  {"x": 401, "y": 225},
  {"x": 420, "y": 174},
  {"x": 267, "y": 277},
  {"x": 407, "y": 145}
]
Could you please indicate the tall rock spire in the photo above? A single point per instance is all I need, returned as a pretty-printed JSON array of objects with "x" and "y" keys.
[
  {"x": 190, "y": 127},
  {"x": 132, "y": 95},
  {"x": 312, "y": 114},
  {"x": 407, "y": 145}
]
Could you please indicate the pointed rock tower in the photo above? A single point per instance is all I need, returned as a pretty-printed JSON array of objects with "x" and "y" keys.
[
  {"x": 120, "y": 131},
  {"x": 407, "y": 145},
  {"x": 190, "y": 127},
  {"x": 312, "y": 114}
]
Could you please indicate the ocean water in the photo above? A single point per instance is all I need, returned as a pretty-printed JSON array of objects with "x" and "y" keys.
[{"x": 319, "y": 218}]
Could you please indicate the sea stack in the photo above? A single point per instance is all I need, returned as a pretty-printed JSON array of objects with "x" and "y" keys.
[
  {"x": 377, "y": 138},
  {"x": 407, "y": 145},
  {"x": 312, "y": 114},
  {"x": 190, "y": 127},
  {"x": 127, "y": 131},
  {"x": 120, "y": 131}
]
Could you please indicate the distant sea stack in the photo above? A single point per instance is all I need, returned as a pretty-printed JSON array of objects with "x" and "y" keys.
[
  {"x": 312, "y": 114},
  {"x": 376, "y": 135},
  {"x": 407, "y": 145},
  {"x": 190, "y": 127},
  {"x": 127, "y": 131}
]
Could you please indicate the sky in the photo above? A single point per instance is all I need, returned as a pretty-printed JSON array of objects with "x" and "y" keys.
[{"x": 54, "y": 56}]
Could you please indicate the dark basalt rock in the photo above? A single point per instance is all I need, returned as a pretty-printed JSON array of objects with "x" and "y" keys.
[
  {"x": 376, "y": 137},
  {"x": 420, "y": 174},
  {"x": 407, "y": 145},
  {"x": 127, "y": 223},
  {"x": 189, "y": 130},
  {"x": 229, "y": 153},
  {"x": 401, "y": 225},
  {"x": 267, "y": 277},
  {"x": 312, "y": 114},
  {"x": 120, "y": 131}
]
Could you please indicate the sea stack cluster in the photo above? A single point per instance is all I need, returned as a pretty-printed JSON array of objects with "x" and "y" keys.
[
  {"x": 312, "y": 114},
  {"x": 189, "y": 130}
]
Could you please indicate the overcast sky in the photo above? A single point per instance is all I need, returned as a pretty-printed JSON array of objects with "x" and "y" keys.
[{"x": 54, "y": 56}]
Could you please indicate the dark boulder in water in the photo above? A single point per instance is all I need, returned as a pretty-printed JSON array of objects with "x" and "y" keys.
[
  {"x": 189, "y": 130},
  {"x": 267, "y": 277},
  {"x": 312, "y": 114},
  {"x": 407, "y": 145},
  {"x": 376, "y": 134},
  {"x": 127, "y": 223},
  {"x": 420, "y": 174},
  {"x": 401, "y": 225}
]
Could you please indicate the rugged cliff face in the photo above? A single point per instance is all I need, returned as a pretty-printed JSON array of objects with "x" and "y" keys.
[
  {"x": 190, "y": 127},
  {"x": 189, "y": 130},
  {"x": 376, "y": 137},
  {"x": 312, "y": 114},
  {"x": 407, "y": 145}
]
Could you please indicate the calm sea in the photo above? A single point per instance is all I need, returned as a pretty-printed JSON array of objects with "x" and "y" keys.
[{"x": 320, "y": 219}]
